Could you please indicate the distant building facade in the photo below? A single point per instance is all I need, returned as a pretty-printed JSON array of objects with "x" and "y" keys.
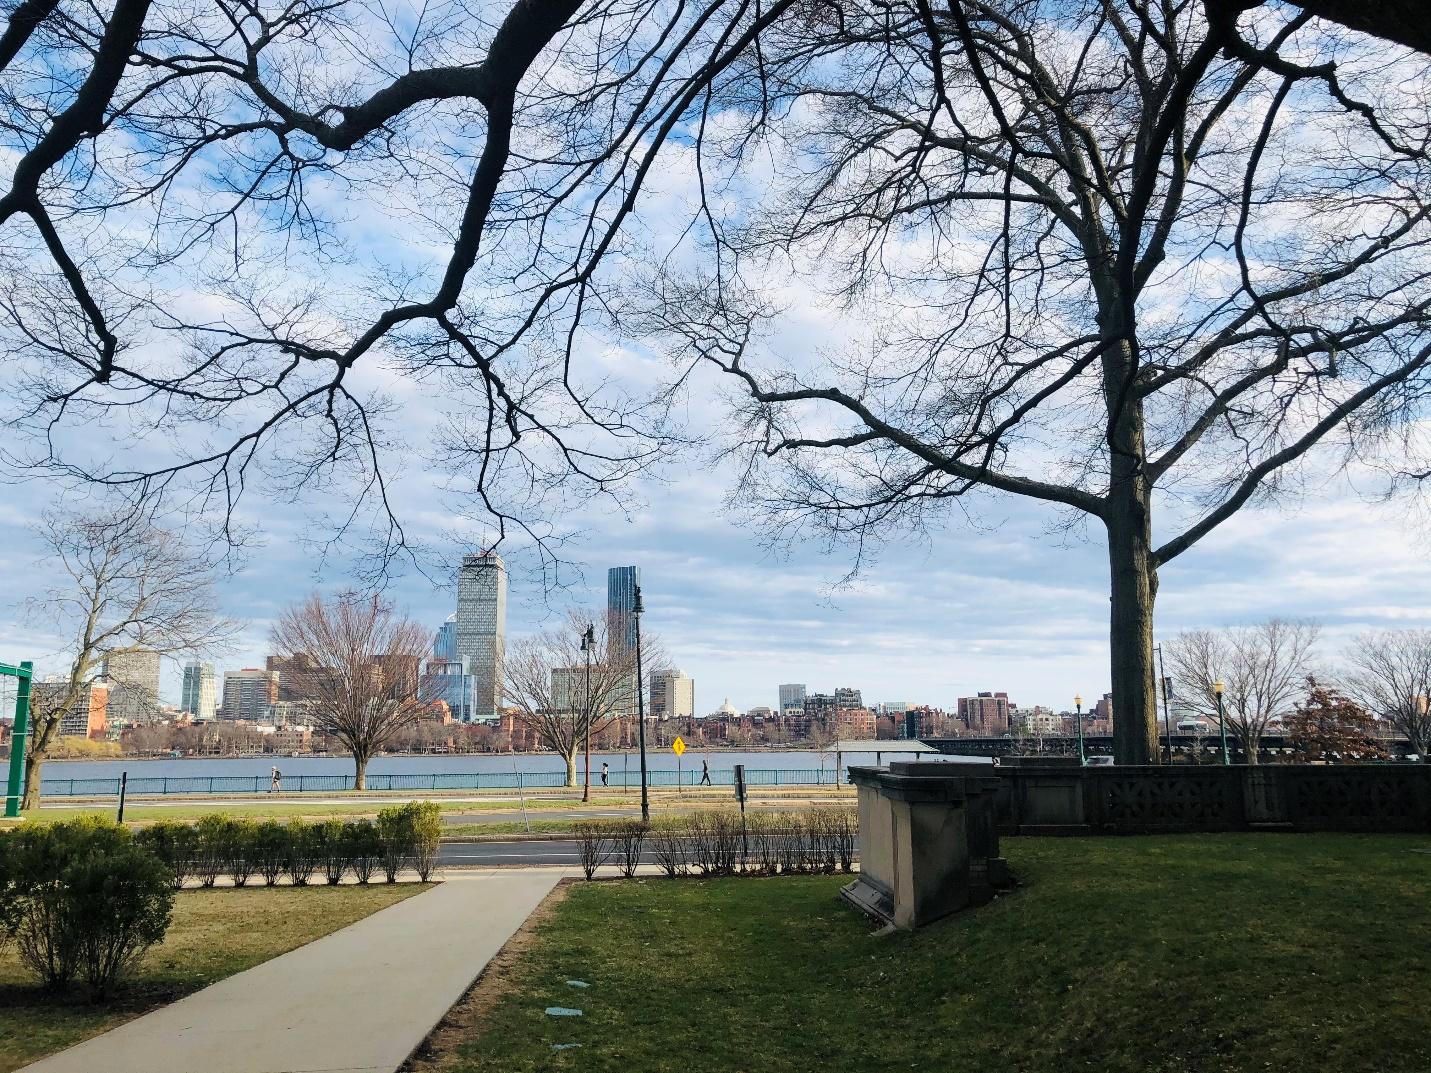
[
  {"x": 481, "y": 629},
  {"x": 133, "y": 679},
  {"x": 200, "y": 694},
  {"x": 248, "y": 692},
  {"x": 87, "y": 717},
  {"x": 792, "y": 697},
  {"x": 673, "y": 694},
  {"x": 985, "y": 715}
]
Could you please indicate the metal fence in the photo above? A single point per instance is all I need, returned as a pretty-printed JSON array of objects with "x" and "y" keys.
[{"x": 474, "y": 780}]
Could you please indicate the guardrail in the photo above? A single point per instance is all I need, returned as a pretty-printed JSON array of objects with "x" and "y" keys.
[{"x": 142, "y": 785}]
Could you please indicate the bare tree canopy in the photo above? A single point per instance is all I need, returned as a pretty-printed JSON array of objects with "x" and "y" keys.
[
  {"x": 548, "y": 691},
  {"x": 1110, "y": 258},
  {"x": 359, "y": 663},
  {"x": 129, "y": 586},
  {"x": 1389, "y": 672},
  {"x": 1263, "y": 669},
  {"x": 1406, "y": 22}
]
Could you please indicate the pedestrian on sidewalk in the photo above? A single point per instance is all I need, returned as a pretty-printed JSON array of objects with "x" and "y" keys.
[
  {"x": 705, "y": 773},
  {"x": 605, "y": 767},
  {"x": 276, "y": 783}
]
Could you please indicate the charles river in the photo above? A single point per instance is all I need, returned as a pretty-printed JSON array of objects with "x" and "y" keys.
[{"x": 659, "y": 759}]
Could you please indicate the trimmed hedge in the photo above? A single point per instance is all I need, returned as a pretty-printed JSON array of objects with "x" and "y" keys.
[
  {"x": 712, "y": 843},
  {"x": 402, "y": 837}
]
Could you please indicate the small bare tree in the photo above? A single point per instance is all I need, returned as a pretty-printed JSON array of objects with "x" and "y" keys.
[
  {"x": 130, "y": 586},
  {"x": 359, "y": 662},
  {"x": 1390, "y": 673},
  {"x": 546, "y": 685},
  {"x": 1263, "y": 669}
]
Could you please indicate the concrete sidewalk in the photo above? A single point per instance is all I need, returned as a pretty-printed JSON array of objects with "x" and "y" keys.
[{"x": 357, "y": 1001}]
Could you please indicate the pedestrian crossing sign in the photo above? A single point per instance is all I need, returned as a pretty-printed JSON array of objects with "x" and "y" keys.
[{"x": 678, "y": 746}]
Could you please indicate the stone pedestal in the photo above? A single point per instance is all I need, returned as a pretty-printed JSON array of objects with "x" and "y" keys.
[{"x": 928, "y": 842}]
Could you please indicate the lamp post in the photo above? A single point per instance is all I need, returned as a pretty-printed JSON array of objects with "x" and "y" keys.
[
  {"x": 1217, "y": 688},
  {"x": 588, "y": 643},
  {"x": 1078, "y": 721},
  {"x": 1167, "y": 705},
  {"x": 636, "y": 609}
]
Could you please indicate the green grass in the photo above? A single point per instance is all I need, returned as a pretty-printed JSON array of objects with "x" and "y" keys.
[
  {"x": 215, "y": 933},
  {"x": 1195, "y": 954}
]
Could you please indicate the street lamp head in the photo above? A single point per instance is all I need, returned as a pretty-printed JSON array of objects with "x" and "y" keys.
[
  {"x": 636, "y": 606},
  {"x": 1218, "y": 687},
  {"x": 1077, "y": 701}
]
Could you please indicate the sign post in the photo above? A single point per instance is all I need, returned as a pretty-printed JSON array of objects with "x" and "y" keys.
[
  {"x": 740, "y": 796},
  {"x": 678, "y": 747}
]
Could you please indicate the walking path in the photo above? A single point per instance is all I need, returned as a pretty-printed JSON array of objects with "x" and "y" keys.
[{"x": 357, "y": 1001}]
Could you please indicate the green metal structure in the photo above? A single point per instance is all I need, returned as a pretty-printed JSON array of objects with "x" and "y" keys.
[{"x": 15, "y": 790}]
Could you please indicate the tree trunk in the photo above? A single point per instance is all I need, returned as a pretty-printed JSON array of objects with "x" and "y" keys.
[
  {"x": 570, "y": 759},
  {"x": 33, "y": 766},
  {"x": 1134, "y": 584},
  {"x": 360, "y": 777}
]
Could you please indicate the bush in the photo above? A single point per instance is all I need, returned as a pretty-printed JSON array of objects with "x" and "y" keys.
[
  {"x": 669, "y": 842},
  {"x": 330, "y": 849},
  {"x": 211, "y": 847},
  {"x": 85, "y": 898},
  {"x": 173, "y": 844},
  {"x": 364, "y": 848},
  {"x": 270, "y": 850},
  {"x": 595, "y": 845},
  {"x": 241, "y": 850},
  {"x": 425, "y": 819},
  {"x": 629, "y": 836},
  {"x": 298, "y": 853}
]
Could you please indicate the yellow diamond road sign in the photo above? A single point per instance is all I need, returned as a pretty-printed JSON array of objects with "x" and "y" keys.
[{"x": 678, "y": 746}]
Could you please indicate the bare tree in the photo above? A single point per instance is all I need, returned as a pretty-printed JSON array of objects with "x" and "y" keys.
[
  {"x": 546, "y": 684},
  {"x": 1263, "y": 668},
  {"x": 1105, "y": 256},
  {"x": 359, "y": 662},
  {"x": 129, "y": 586},
  {"x": 1389, "y": 672}
]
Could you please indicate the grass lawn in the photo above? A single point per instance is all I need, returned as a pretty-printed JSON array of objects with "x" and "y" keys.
[
  {"x": 215, "y": 933},
  {"x": 1187, "y": 954}
]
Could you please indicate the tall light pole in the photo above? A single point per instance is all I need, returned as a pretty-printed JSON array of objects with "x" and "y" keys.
[
  {"x": 1167, "y": 705},
  {"x": 588, "y": 643},
  {"x": 1078, "y": 721},
  {"x": 636, "y": 609},
  {"x": 1217, "y": 688}
]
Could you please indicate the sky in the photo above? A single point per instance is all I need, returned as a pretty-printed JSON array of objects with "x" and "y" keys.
[{"x": 1002, "y": 599}]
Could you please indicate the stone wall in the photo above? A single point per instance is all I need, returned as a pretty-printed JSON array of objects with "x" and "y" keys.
[{"x": 1049, "y": 799}]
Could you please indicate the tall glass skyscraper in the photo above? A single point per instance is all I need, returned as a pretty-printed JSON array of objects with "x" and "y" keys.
[
  {"x": 621, "y": 584},
  {"x": 445, "y": 646},
  {"x": 200, "y": 696},
  {"x": 482, "y": 629}
]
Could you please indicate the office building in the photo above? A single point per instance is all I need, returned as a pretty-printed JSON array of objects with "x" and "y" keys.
[
  {"x": 133, "y": 679},
  {"x": 200, "y": 694},
  {"x": 87, "y": 717},
  {"x": 481, "y": 629},
  {"x": 444, "y": 646},
  {"x": 621, "y": 585},
  {"x": 673, "y": 695},
  {"x": 792, "y": 697},
  {"x": 569, "y": 689},
  {"x": 248, "y": 692},
  {"x": 447, "y": 681}
]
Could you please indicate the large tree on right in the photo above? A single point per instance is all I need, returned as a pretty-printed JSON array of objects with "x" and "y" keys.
[{"x": 1106, "y": 255}]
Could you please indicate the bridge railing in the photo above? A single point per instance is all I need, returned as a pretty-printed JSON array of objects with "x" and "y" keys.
[{"x": 206, "y": 785}]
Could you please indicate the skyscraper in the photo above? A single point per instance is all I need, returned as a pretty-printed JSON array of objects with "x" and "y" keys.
[
  {"x": 792, "y": 697},
  {"x": 621, "y": 585},
  {"x": 481, "y": 628},
  {"x": 444, "y": 645},
  {"x": 200, "y": 695},
  {"x": 134, "y": 685},
  {"x": 248, "y": 692},
  {"x": 673, "y": 695}
]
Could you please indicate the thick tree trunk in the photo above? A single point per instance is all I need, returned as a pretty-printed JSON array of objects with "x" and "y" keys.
[
  {"x": 360, "y": 777},
  {"x": 33, "y": 767},
  {"x": 570, "y": 759}
]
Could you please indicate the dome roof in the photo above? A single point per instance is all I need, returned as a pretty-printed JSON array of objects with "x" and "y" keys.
[{"x": 727, "y": 708}]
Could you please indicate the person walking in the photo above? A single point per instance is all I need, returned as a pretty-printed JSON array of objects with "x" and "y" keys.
[
  {"x": 276, "y": 783},
  {"x": 705, "y": 773},
  {"x": 604, "y": 769}
]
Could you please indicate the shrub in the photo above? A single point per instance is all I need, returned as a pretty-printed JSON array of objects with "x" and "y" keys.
[
  {"x": 298, "y": 857},
  {"x": 241, "y": 850},
  {"x": 425, "y": 818},
  {"x": 669, "y": 841},
  {"x": 119, "y": 903},
  {"x": 629, "y": 836},
  {"x": 211, "y": 847},
  {"x": 364, "y": 847},
  {"x": 595, "y": 845},
  {"x": 173, "y": 843},
  {"x": 270, "y": 850},
  {"x": 86, "y": 898},
  {"x": 395, "y": 837},
  {"x": 330, "y": 849}
]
